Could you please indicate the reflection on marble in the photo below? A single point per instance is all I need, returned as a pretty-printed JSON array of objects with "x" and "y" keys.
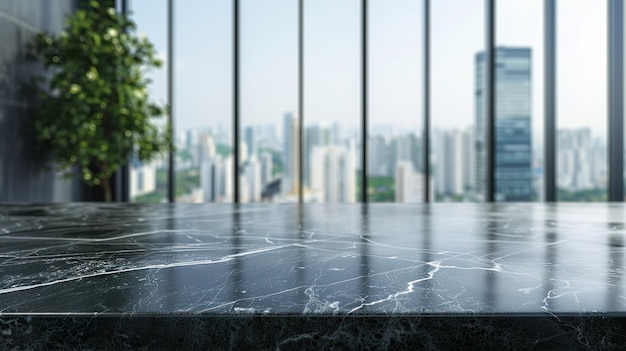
[{"x": 394, "y": 263}]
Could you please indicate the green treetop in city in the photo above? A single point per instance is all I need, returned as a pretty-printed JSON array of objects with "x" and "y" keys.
[{"x": 92, "y": 108}]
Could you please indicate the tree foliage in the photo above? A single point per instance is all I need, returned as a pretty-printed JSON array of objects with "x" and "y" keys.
[{"x": 92, "y": 108}]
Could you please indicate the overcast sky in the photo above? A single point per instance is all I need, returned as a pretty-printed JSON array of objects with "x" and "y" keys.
[{"x": 203, "y": 55}]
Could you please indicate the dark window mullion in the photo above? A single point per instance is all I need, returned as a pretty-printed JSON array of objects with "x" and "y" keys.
[
  {"x": 616, "y": 95},
  {"x": 364, "y": 102},
  {"x": 490, "y": 102},
  {"x": 236, "y": 101},
  {"x": 301, "y": 101},
  {"x": 170, "y": 97},
  {"x": 550, "y": 100},
  {"x": 426, "y": 111}
]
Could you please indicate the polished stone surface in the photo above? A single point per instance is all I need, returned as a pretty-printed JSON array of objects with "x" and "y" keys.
[{"x": 494, "y": 263}]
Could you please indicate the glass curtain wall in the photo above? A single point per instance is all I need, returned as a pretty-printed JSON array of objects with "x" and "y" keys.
[
  {"x": 581, "y": 169},
  {"x": 203, "y": 100},
  {"x": 458, "y": 131},
  {"x": 395, "y": 156},
  {"x": 332, "y": 100},
  {"x": 519, "y": 100},
  {"x": 268, "y": 145},
  {"x": 148, "y": 181}
]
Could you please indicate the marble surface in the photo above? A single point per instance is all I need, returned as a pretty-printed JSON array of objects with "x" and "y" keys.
[{"x": 442, "y": 259}]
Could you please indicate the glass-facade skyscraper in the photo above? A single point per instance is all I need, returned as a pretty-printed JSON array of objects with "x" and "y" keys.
[{"x": 513, "y": 149}]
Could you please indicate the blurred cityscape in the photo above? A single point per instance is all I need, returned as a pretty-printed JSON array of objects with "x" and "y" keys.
[{"x": 269, "y": 156}]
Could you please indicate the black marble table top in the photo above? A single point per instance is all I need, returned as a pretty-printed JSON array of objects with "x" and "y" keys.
[
  {"x": 318, "y": 276},
  {"x": 312, "y": 259}
]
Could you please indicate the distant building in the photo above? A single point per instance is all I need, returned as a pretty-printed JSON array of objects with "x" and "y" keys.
[
  {"x": 581, "y": 161},
  {"x": 409, "y": 184},
  {"x": 212, "y": 179},
  {"x": 513, "y": 153},
  {"x": 206, "y": 148},
  {"x": 333, "y": 175},
  {"x": 315, "y": 135},
  {"x": 253, "y": 177},
  {"x": 291, "y": 174},
  {"x": 251, "y": 143},
  {"x": 450, "y": 165},
  {"x": 142, "y": 178},
  {"x": 377, "y": 158},
  {"x": 266, "y": 168}
]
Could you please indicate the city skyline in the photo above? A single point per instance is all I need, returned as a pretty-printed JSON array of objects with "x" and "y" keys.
[{"x": 268, "y": 94}]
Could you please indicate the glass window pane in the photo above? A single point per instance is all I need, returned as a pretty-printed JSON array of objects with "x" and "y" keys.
[
  {"x": 203, "y": 100},
  {"x": 269, "y": 101},
  {"x": 519, "y": 100},
  {"x": 332, "y": 100},
  {"x": 148, "y": 181},
  {"x": 581, "y": 100},
  {"x": 457, "y": 136},
  {"x": 395, "y": 158}
]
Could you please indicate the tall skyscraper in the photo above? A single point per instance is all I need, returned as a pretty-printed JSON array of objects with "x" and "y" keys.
[
  {"x": 291, "y": 144},
  {"x": 513, "y": 160}
]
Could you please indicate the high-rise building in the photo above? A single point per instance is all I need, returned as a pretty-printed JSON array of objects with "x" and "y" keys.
[
  {"x": 315, "y": 135},
  {"x": 581, "y": 160},
  {"x": 377, "y": 159},
  {"x": 449, "y": 162},
  {"x": 243, "y": 152},
  {"x": 266, "y": 168},
  {"x": 190, "y": 138},
  {"x": 253, "y": 175},
  {"x": 468, "y": 158},
  {"x": 408, "y": 184},
  {"x": 333, "y": 174},
  {"x": 228, "y": 179},
  {"x": 142, "y": 178},
  {"x": 212, "y": 180},
  {"x": 206, "y": 148},
  {"x": 291, "y": 144},
  {"x": 513, "y": 151},
  {"x": 250, "y": 135}
]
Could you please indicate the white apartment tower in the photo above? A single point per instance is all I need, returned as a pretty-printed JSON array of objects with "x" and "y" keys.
[
  {"x": 333, "y": 174},
  {"x": 253, "y": 175},
  {"x": 291, "y": 144},
  {"x": 409, "y": 184}
]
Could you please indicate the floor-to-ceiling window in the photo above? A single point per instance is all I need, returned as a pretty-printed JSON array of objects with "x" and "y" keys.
[
  {"x": 148, "y": 181},
  {"x": 327, "y": 136},
  {"x": 457, "y": 111},
  {"x": 395, "y": 150},
  {"x": 581, "y": 170},
  {"x": 269, "y": 124},
  {"x": 203, "y": 100},
  {"x": 332, "y": 100}
]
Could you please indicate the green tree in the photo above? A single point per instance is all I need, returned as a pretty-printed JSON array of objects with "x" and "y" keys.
[{"x": 92, "y": 109}]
